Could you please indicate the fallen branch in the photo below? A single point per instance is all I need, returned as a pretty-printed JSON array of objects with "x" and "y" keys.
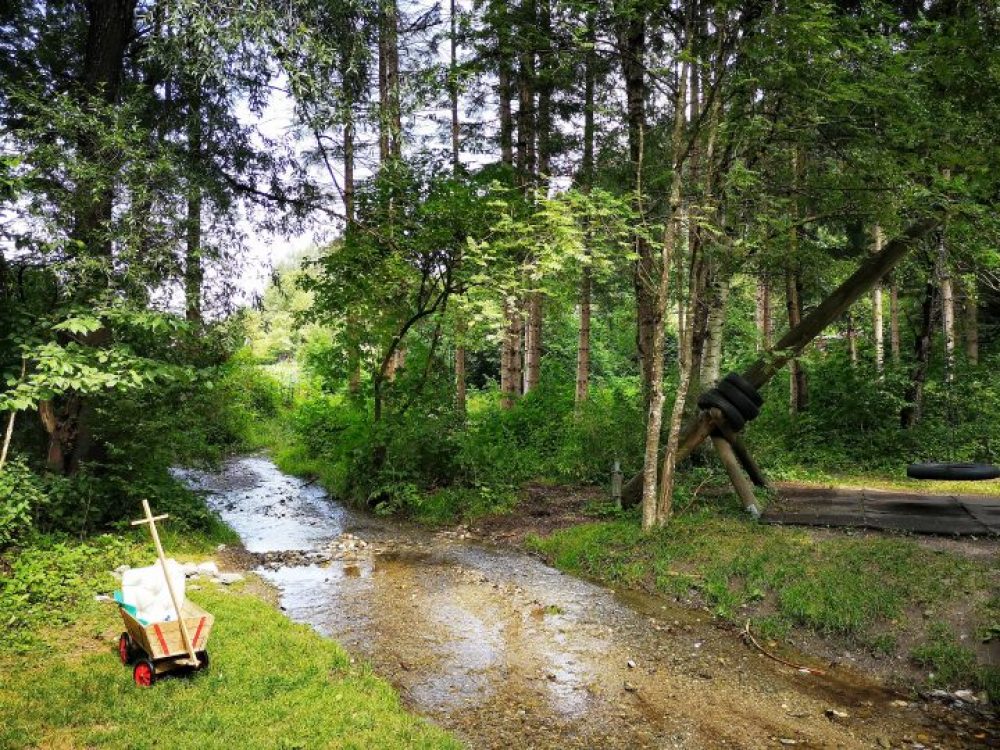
[{"x": 748, "y": 637}]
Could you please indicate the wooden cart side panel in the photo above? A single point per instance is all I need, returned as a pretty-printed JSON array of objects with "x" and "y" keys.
[
  {"x": 199, "y": 625},
  {"x": 136, "y": 630},
  {"x": 200, "y": 628},
  {"x": 165, "y": 638}
]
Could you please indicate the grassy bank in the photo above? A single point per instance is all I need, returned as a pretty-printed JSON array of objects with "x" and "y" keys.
[
  {"x": 272, "y": 683},
  {"x": 887, "y": 595}
]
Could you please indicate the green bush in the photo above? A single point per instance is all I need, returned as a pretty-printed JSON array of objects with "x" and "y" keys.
[
  {"x": 852, "y": 423},
  {"x": 248, "y": 398},
  {"x": 48, "y": 577},
  {"x": 21, "y": 493}
]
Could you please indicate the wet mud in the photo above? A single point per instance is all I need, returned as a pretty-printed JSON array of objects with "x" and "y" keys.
[{"x": 510, "y": 653}]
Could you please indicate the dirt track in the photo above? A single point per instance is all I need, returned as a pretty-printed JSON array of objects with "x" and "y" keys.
[{"x": 508, "y": 652}]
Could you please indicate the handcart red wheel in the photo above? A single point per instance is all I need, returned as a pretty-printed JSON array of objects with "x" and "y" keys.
[
  {"x": 127, "y": 650},
  {"x": 144, "y": 673}
]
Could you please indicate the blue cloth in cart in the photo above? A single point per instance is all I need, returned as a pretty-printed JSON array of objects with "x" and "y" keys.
[{"x": 128, "y": 607}]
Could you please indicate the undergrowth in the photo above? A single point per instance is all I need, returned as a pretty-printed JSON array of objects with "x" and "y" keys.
[{"x": 856, "y": 587}]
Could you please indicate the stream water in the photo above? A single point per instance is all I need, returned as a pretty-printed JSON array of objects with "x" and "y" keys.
[{"x": 508, "y": 652}]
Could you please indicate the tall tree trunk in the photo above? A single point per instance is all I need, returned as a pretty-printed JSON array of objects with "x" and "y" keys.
[
  {"x": 586, "y": 180},
  {"x": 541, "y": 82},
  {"x": 526, "y": 80},
  {"x": 390, "y": 111},
  {"x": 798, "y": 389},
  {"x": 971, "y": 323},
  {"x": 894, "y": 340},
  {"x": 453, "y": 86},
  {"x": 456, "y": 164},
  {"x": 653, "y": 510},
  {"x": 878, "y": 324},
  {"x": 631, "y": 32},
  {"x": 109, "y": 30},
  {"x": 943, "y": 272},
  {"x": 194, "y": 273},
  {"x": 910, "y": 414},
  {"x": 505, "y": 88},
  {"x": 533, "y": 343},
  {"x": 762, "y": 313},
  {"x": 352, "y": 333},
  {"x": 663, "y": 495},
  {"x": 544, "y": 87},
  {"x": 711, "y": 363},
  {"x": 512, "y": 81},
  {"x": 510, "y": 355}
]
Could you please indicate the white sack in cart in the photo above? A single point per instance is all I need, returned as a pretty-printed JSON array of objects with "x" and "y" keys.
[{"x": 146, "y": 590}]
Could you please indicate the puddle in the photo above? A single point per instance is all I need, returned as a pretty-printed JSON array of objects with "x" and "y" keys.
[{"x": 507, "y": 652}]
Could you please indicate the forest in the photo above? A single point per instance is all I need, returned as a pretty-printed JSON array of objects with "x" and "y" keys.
[{"x": 533, "y": 241}]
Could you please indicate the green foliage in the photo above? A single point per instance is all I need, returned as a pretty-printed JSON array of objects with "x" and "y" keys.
[
  {"x": 852, "y": 423},
  {"x": 433, "y": 460},
  {"x": 247, "y": 398},
  {"x": 21, "y": 495},
  {"x": 47, "y": 581}
]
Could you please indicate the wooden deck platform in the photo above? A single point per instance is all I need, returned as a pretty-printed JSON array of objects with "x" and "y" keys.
[{"x": 976, "y": 515}]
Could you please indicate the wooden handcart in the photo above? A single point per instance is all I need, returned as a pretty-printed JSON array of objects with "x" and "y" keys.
[{"x": 158, "y": 647}]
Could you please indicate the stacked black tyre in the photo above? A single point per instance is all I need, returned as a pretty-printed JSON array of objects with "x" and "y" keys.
[{"x": 736, "y": 398}]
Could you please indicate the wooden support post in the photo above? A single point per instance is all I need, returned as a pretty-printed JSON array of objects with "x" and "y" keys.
[
  {"x": 740, "y": 449},
  {"x": 151, "y": 520},
  {"x": 749, "y": 465},
  {"x": 741, "y": 484},
  {"x": 792, "y": 343}
]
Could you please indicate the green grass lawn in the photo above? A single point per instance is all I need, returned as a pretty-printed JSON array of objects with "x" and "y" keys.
[
  {"x": 271, "y": 684},
  {"x": 872, "y": 590}
]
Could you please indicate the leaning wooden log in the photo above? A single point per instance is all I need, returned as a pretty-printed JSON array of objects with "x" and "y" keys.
[
  {"x": 740, "y": 450},
  {"x": 740, "y": 483},
  {"x": 792, "y": 343}
]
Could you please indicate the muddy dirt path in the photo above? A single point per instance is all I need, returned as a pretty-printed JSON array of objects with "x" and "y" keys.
[{"x": 509, "y": 653}]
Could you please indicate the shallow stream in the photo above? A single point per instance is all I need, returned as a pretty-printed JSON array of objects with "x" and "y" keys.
[{"x": 509, "y": 653}]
